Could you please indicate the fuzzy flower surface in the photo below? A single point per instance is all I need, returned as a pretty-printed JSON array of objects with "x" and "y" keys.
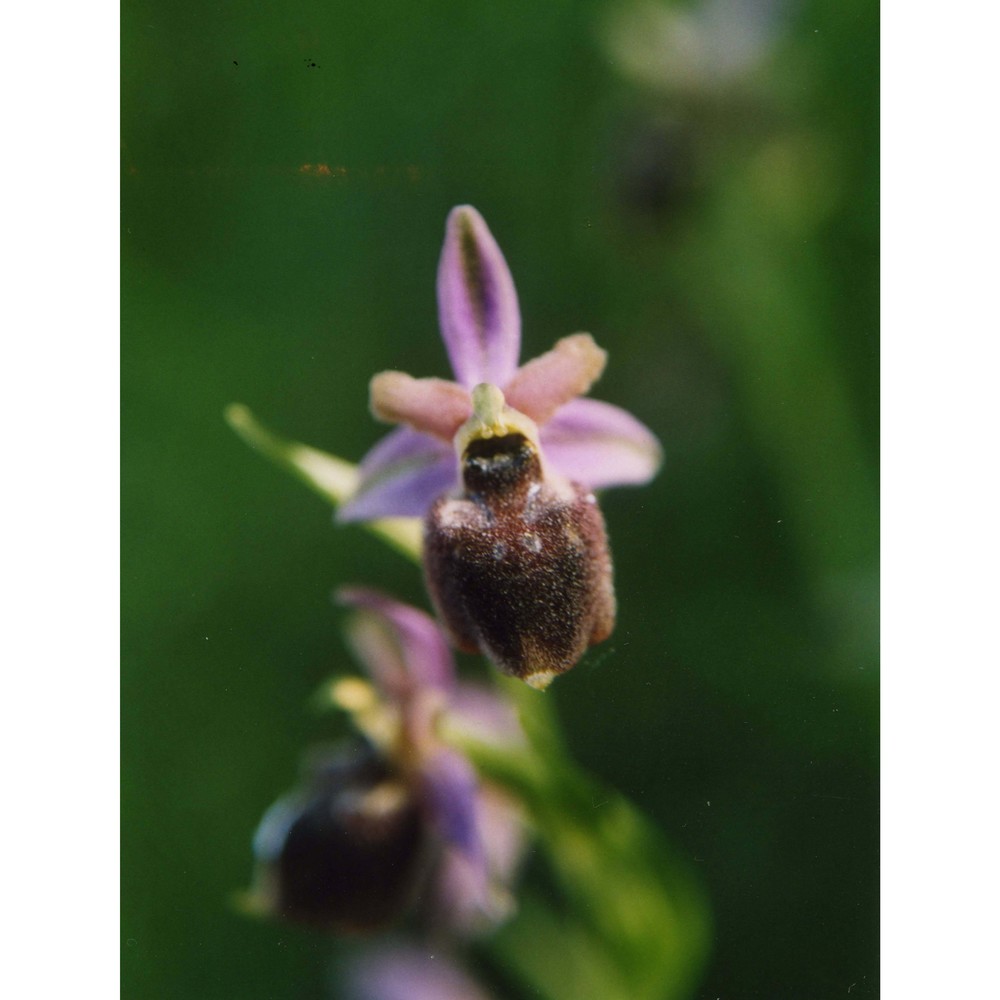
[
  {"x": 586, "y": 441},
  {"x": 408, "y": 808}
]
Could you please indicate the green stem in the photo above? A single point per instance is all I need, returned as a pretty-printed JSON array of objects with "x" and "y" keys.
[
  {"x": 637, "y": 923},
  {"x": 332, "y": 478},
  {"x": 634, "y": 923}
]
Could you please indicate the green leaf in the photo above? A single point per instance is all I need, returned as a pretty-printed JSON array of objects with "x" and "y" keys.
[
  {"x": 636, "y": 919},
  {"x": 333, "y": 478}
]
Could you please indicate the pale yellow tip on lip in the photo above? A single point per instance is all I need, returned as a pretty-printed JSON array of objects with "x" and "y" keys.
[{"x": 541, "y": 680}]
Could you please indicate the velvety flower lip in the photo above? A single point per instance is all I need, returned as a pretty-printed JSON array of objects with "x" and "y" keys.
[
  {"x": 593, "y": 443},
  {"x": 348, "y": 849}
]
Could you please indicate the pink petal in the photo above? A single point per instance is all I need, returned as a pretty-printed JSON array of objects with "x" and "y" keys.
[
  {"x": 406, "y": 973},
  {"x": 420, "y": 644},
  {"x": 477, "y": 302},
  {"x": 481, "y": 712},
  {"x": 431, "y": 405},
  {"x": 552, "y": 379},
  {"x": 597, "y": 444},
  {"x": 376, "y": 648},
  {"x": 401, "y": 477},
  {"x": 463, "y": 899},
  {"x": 501, "y": 819}
]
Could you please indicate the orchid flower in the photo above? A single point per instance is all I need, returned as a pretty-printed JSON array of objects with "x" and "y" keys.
[
  {"x": 400, "y": 822},
  {"x": 583, "y": 440},
  {"x": 501, "y": 464}
]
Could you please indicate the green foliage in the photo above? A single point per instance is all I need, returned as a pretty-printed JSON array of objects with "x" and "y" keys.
[{"x": 736, "y": 704}]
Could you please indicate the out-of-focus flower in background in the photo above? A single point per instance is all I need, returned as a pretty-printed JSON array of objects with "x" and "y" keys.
[
  {"x": 348, "y": 849},
  {"x": 700, "y": 47},
  {"x": 399, "y": 821},
  {"x": 700, "y": 80},
  {"x": 404, "y": 972}
]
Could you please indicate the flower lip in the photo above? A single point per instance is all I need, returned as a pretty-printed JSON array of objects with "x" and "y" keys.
[
  {"x": 520, "y": 571},
  {"x": 348, "y": 849}
]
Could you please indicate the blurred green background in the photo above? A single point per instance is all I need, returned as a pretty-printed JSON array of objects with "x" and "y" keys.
[{"x": 697, "y": 187}]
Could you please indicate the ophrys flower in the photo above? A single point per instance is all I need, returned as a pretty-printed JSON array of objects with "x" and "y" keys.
[
  {"x": 397, "y": 820},
  {"x": 501, "y": 463}
]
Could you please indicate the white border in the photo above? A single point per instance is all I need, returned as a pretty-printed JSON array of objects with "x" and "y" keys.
[
  {"x": 59, "y": 409},
  {"x": 941, "y": 504}
]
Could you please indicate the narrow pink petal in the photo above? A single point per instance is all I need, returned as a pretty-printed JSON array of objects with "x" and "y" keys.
[
  {"x": 464, "y": 900},
  {"x": 401, "y": 477},
  {"x": 599, "y": 445},
  {"x": 552, "y": 379},
  {"x": 477, "y": 302},
  {"x": 404, "y": 972},
  {"x": 501, "y": 819},
  {"x": 488, "y": 717},
  {"x": 376, "y": 647},
  {"x": 425, "y": 654},
  {"x": 431, "y": 405}
]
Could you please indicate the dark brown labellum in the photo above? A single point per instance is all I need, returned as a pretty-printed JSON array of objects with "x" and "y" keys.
[
  {"x": 348, "y": 851},
  {"x": 518, "y": 568}
]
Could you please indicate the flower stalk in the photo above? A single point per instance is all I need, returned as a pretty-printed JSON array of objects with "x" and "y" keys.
[{"x": 487, "y": 483}]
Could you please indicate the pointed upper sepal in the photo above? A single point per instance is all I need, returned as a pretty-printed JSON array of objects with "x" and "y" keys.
[{"x": 477, "y": 302}]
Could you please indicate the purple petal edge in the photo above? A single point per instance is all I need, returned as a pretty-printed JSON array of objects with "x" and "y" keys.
[
  {"x": 427, "y": 656},
  {"x": 599, "y": 445},
  {"x": 451, "y": 789},
  {"x": 401, "y": 477},
  {"x": 404, "y": 972},
  {"x": 477, "y": 302},
  {"x": 469, "y": 900}
]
